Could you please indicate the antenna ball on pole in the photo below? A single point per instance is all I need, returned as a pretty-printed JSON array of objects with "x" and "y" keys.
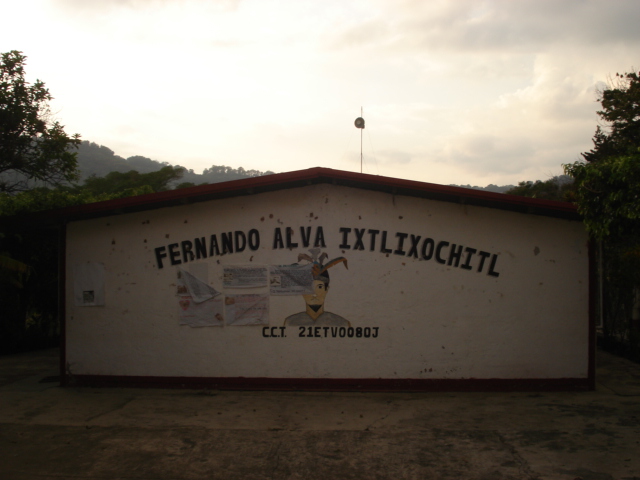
[{"x": 359, "y": 123}]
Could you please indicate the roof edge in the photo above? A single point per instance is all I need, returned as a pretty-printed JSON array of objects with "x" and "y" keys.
[{"x": 299, "y": 178}]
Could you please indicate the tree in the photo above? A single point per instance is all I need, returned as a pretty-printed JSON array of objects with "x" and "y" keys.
[
  {"x": 32, "y": 147},
  {"x": 607, "y": 187},
  {"x": 620, "y": 113},
  {"x": 556, "y": 188},
  {"x": 29, "y": 316},
  {"x": 607, "y": 194},
  {"x": 132, "y": 182}
]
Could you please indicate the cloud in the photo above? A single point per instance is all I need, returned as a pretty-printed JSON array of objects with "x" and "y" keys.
[
  {"x": 535, "y": 128},
  {"x": 367, "y": 32},
  {"x": 394, "y": 157},
  {"x": 105, "y": 5},
  {"x": 469, "y": 26},
  {"x": 484, "y": 152},
  {"x": 453, "y": 91}
]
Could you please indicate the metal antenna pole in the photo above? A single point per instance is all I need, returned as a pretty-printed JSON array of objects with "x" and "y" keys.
[
  {"x": 359, "y": 123},
  {"x": 361, "y": 114}
]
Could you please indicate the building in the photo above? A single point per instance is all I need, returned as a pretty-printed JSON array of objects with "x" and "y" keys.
[{"x": 324, "y": 279}]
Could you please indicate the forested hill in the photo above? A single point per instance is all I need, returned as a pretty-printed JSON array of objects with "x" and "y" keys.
[
  {"x": 489, "y": 188},
  {"x": 98, "y": 160}
]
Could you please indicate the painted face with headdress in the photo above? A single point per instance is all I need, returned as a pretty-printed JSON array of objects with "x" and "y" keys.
[{"x": 320, "y": 270}]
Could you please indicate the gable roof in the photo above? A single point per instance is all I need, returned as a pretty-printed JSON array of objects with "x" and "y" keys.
[{"x": 299, "y": 178}]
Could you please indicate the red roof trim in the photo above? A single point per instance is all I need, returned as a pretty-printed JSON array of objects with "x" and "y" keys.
[{"x": 300, "y": 178}]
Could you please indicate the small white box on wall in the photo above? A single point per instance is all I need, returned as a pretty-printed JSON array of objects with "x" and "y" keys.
[{"x": 88, "y": 284}]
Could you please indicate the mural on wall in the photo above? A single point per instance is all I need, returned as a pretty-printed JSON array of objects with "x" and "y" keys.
[
  {"x": 314, "y": 313},
  {"x": 309, "y": 280}
]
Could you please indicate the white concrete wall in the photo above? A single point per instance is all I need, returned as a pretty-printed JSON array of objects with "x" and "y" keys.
[{"x": 434, "y": 321}]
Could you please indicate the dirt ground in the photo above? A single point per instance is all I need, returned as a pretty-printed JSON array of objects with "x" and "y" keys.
[{"x": 49, "y": 432}]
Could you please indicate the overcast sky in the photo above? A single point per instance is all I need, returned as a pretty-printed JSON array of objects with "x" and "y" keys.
[{"x": 461, "y": 91}]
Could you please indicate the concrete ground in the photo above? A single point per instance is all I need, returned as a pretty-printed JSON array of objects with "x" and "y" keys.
[{"x": 48, "y": 432}]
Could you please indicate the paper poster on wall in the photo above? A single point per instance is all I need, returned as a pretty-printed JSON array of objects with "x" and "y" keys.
[
  {"x": 88, "y": 284},
  {"x": 251, "y": 309},
  {"x": 198, "y": 290},
  {"x": 244, "y": 277},
  {"x": 202, "y": 314},
  {"x": 291, "y": 279}
]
